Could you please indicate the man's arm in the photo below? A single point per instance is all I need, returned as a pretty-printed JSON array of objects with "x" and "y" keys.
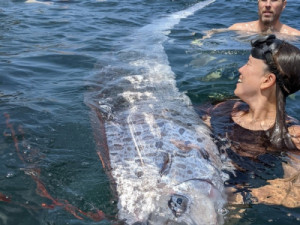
[
  {"x": 211, "y": 32},
  {"x": 208, "y": 34},
  {"x": 248, "y": 26},
  {"x": 236, "y": 26}
]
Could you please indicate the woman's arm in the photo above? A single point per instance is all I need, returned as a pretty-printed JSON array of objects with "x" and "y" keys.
[
  {"x": 294, "y": 131},
  {"x": 281, "y": 191}
]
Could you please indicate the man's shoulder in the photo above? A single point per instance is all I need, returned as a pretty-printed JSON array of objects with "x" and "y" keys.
[
  {"x": 245, "y": 26},
  {"x": 289, "y": 30},
  {"x": 253, "y": 26}
]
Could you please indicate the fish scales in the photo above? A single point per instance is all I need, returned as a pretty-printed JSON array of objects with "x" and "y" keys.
[
  {"x": 166, "y": 167},
  {"x": 165, "y": 118}
]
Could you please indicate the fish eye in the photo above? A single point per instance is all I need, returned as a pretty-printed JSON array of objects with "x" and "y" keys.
[
  {"x": 179, "y": 201},
  {"x": 178, "y": 204}
]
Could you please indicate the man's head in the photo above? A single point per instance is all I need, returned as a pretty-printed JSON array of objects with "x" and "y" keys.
[{"x": 269, "y": 11}]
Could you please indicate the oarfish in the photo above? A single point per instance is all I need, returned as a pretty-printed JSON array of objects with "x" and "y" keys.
[{"x": 161, "y": 156}]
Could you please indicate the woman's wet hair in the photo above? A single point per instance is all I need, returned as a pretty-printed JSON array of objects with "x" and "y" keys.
[
  {"x": 287, "y": 60},
  {"x": 283, "y": 59}
]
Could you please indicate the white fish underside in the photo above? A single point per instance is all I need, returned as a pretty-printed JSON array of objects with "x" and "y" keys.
[{"x": 157, "y": 144}]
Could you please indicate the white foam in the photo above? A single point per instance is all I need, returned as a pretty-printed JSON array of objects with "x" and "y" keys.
[
  {"x": 150, "y": 38},
  {"x": 35, "y": 1}
]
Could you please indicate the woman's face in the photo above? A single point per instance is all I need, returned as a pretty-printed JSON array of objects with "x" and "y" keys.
[{"x": 251, "y": 77}]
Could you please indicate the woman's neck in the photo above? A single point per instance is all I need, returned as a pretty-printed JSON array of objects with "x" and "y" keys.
[{"x": 260, "y": 116}]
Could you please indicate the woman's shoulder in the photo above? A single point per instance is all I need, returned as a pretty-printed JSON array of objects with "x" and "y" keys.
[
  {"x": 217, "y": 111},
  {"x": 229, "y": 106},
  {"x": 294, "y": 131}
]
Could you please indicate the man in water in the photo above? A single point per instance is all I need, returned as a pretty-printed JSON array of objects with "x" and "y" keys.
[{"x": 269, "y": 12}]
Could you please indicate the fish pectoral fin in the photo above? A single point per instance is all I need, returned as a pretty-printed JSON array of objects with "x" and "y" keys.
[
  {"x": 167, "y": 162},
  {"x": 181, "y": 145}
]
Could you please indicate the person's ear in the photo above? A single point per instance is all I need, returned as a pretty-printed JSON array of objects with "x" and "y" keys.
[
  {"x": 284, "y": 4},
  {"x": 268, "y": 80}
]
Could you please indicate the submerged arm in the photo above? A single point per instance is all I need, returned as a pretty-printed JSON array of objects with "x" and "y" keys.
[
  {"x": 211, "y": 32},
  {"x": 281, "y": 191},
  {"x": 285, "y": 191},
  {"x": 294, "y": 131}
]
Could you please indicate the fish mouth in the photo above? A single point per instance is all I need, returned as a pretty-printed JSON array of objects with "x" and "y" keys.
[
  {"x": 159, "y": 221},
  {"x": 173, "y": 211},
  {"x": 199, "y": 182},
  {"x": 185, "y": 207},
  {"x": 170, "y": 210},
  {"x": 155, "y": 219}
]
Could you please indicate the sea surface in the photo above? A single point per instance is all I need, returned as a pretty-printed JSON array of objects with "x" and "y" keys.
[{"x": 55, "y": 54}]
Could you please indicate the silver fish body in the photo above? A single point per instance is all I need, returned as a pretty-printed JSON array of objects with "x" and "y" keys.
[
  {"x": 160, "y": 149},
  {"x": 165, "y": 165}
]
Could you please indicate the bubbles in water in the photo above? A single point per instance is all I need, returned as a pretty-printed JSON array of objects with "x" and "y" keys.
[
  {"x": 223, "y": 211},
  {"x": 25, "y": 152},
  {"x": 252, "y": 175},
  {"x": 10, "y": 174},
  {"x": 85, "y": 163},
  {"x": 7, "y": 133}
]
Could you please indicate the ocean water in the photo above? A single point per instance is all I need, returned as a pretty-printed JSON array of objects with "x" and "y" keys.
[{"x": 57, "y": 56}]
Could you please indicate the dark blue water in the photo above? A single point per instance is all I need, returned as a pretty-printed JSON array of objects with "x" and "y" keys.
[{"x": 52, "y": 55}]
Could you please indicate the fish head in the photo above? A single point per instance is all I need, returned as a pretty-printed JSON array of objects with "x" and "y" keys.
[{"x": 196, "y": 202}]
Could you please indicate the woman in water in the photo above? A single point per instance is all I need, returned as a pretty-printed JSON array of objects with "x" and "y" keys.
[{"x": 259, "y": 133}]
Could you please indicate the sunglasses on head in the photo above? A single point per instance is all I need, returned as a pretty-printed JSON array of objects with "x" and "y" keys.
[{"x": 264, "y": 48}]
